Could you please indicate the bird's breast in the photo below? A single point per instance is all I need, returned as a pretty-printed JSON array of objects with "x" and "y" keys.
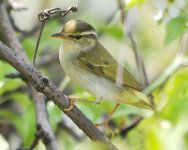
[{"x": 94, "y": 84}]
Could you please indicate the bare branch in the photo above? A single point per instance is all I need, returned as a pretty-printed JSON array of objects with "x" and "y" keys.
[
  {"x": 29, "y": 33},
  {"x": 38, "y": 136},
  {"x": 43, "y": 122},
  {"x": 43, "y": 85},
  {"x": 9, "y": 37},
  {"x": 7, "y": 34},
  {"x": 121, "y": 8}
]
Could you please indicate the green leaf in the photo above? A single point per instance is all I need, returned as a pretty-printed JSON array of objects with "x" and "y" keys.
[
  {"x": 27, "y": 125},
  {"x": 175, "y": 28},
  {"x": 10, "y": 85},
  {"x": 55, "y": 114},
  {"x": 114, "y": 31},
  {"x": 5, "y": 68},
  {"x": 24, "y": 124},
  {"x": 46, "y": 40},
  {"x": 11, "y": 117},
  {"x": 132, "y": 3},
  {"x": 29, "y": 46},
  {"x": 20, "y": 98}
]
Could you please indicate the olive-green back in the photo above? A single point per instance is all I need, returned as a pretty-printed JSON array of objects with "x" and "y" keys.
[{"x": 100, "y": 62}]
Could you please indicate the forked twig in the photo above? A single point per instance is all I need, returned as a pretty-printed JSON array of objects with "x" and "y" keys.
[{"x": 45, "y": 15}]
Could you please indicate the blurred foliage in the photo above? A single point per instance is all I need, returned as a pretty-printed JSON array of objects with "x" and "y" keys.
[
  {"x": 178, "y": 26},
  {"x": 158, "y": 37},
  {"x": 132, "y": 3}
]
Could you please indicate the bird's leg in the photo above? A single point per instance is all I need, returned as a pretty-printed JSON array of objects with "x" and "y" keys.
[
  {"x": 72, "y": 101},
  {"x": 106, "y": 121}
]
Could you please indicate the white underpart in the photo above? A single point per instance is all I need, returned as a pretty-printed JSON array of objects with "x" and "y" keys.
[{"x": 98, "y": 86}]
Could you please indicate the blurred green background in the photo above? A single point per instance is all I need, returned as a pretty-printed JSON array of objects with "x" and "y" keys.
[{"x": 157, "y": 26}]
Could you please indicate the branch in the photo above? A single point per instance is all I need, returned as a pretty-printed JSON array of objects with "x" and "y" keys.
[
  {"x": 14, "y": 75},
  {"x": 29, "y": 33},
  {"x": 43, "y": 122},
  {"x": 43, "y": 85},
  {"x": 62, "y": 126},
  {"x": 128, "y": 32},
  {"x": 128, "y": 128},
  {"x": 138, "y": 57},
  {"x": 18, "y": 59},
  {"x": 9, "y": 36}
]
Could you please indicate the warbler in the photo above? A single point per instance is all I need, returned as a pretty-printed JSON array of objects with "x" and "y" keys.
[{"x": 93, "y": 68}]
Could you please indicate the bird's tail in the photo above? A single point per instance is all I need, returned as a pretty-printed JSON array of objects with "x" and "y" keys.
[{"x": 138, "y": 99}]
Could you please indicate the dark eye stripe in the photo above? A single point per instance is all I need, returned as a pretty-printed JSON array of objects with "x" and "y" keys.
[{"x": 76, "y": 36}]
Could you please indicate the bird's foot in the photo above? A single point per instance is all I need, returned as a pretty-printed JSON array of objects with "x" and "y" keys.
[
  {"x": 105, "y": 123},
  {"x": 72, "y": 101}
]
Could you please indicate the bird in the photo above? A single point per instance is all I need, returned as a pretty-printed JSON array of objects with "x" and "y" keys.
[{"x": 89, "y": 65}]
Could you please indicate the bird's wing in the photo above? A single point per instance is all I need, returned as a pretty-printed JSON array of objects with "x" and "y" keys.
[{"x": 100, "y": 62}]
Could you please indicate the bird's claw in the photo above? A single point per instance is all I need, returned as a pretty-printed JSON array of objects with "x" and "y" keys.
[{"x": 72, "y": 101}]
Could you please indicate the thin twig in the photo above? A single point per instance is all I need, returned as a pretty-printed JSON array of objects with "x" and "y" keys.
[
  {"x": 138, "y": 57},
  {"x": 29, "y": 33},
  {"x": 128, "y": 128},
  {"x": 139, "y": 60},
  {"x": 45, "y": 15},
  {"x": 128, "y": 32},
  {"x": 38, "y": 41},
  {"x": 121, "y": 8},
  {"x": 13, "y": 75},
  {"x": 16, "y": 28},
  {"x": 38, "y": 136}
]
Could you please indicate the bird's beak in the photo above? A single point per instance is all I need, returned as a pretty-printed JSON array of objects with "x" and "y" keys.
[{"x": 59, "y": 35}]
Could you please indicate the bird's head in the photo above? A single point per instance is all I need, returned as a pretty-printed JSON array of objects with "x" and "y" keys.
[{"x": 77, "y": 35}]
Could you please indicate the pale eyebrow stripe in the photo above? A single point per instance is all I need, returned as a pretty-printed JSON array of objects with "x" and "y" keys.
[{"x": 89, "y": 32}]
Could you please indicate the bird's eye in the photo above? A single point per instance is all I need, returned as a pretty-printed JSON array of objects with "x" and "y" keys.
[{"x": 77, "y": 37}]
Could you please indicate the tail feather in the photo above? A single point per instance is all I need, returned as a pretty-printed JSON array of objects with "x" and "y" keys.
[{"x": 136, "y": 98}]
